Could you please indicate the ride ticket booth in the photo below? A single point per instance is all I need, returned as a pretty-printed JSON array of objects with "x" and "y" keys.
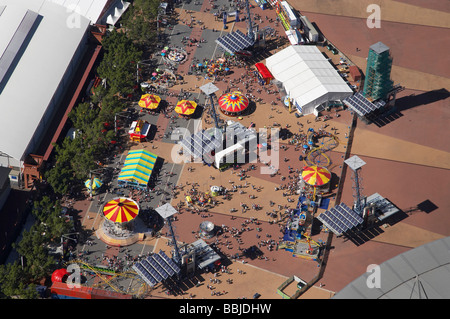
[
  {"x": 263, "y": 74},
  {"x": 139, "y": 131}
]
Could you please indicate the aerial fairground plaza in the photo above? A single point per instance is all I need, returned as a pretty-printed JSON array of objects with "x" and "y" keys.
[{"x": 224, "y": 149}]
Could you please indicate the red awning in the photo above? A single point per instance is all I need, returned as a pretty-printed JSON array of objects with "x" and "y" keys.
[{"x": 262, "y": 69}]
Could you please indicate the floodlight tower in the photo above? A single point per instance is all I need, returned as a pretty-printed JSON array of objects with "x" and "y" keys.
[
  {"x": 355, "y": 164},
  {"x": 209, "y": 90},
  {"x": 250, "y": 32},
  {"x": 166, "y": 211}
]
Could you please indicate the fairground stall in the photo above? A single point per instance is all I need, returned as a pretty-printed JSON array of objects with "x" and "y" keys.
[
  {"x": 263, "y": 74},
  {"x": 185, "y": 108},
  {"x": 149, "y": 102},
  {"x": 137, "y": 169},
  {"x": 139, "y": 130}
]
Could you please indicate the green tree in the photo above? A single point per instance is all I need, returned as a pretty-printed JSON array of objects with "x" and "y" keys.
[
  {"x": 33, "y": 248},
  {"x": 118, "y": 65},
  {"x": 62, "y": 176},
  {"x": 14, "y": 282},
  {"x": 140, "y": 30},
  {"x": 48, "y": 212}
]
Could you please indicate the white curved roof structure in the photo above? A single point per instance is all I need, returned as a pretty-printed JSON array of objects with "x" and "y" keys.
[
  {"x": 420, "y": 273},
  {"x": 308, "y": 78}
]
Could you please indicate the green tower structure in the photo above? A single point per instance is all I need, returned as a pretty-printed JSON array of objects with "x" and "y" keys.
[{"x": 378, "y": 83}]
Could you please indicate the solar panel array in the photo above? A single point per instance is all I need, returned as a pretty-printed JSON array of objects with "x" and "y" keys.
[
  {"x": 156, "y": 268},
  {"x": 202, "y": 143},
  {"x": 340, "y": 219},
  {"x": 170, "y": 262},
  {"x": 235, "y": 41},
  {"x": 240, "y": 132},
  {"x": 362, "y": 106}
]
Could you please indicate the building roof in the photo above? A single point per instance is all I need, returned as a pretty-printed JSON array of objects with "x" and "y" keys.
[
  {"x": 38, "y": 67},
  {"x": 379, "y": 47},
  {"x": 90, "y": 9},
  {"x": 307, "y": 75},
  {"x": 422, "y": 272}
]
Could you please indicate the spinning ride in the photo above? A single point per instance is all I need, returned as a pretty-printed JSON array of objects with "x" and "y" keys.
[
  {"x": 121, "y": 210},
  {"x": 96, "y": 184},
  {"x": 117, "y": 228},
  {"x": 316, "y": 177},
  {"x": 233, "y": 104}
]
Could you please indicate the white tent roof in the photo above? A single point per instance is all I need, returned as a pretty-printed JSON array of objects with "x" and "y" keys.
[
  {"x": 90, "y": 9},
  {"x": 307, "y": 76},
  {"x": 115, "y": 12},
  {"x": 39, "y": 70}
]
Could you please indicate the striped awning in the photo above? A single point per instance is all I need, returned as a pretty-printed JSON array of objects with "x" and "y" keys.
[{"x": 138, "y": 167}]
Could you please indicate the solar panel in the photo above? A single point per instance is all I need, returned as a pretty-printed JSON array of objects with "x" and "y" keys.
[
  {"x": 235, "y": 41},
  {"x": 151, "y": 270},
  {"x": 170, "y": 262},
  {"x": 352, "y": 213},
  {"x": 202, "y": 143},
  {"x": 164, "y": 265},
  {"x": 340, "y": 219},
  {"x": 361, "y": 105},
  {"x": 142, "y": 272},
  {"x": 157, "y": 267},
  {"x": 327, "y": 222},
  {"x": 337, "y": 223}
]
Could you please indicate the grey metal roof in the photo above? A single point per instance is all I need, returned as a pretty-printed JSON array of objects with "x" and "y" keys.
[
  {"x": 166, "y": 210},
  {"x": 379, "y": 47},
  {"x": 355, "y": 162},
  {"x": 33, "y": 82},
  {"x": 204, "y": 254},
  {"x": 420, "y": 273},
  {"x": 17, "y": 41}
]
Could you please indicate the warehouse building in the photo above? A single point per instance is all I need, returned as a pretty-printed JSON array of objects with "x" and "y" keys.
[{"x": 42, "y": 44}]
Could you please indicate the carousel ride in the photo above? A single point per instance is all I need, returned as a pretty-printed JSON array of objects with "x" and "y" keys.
[
  {"x": 173, "y": 55},
  {"x": 118, "y": 226},
  {"x": 314, "y": 179},
  {"x": 233, "y": 103}
]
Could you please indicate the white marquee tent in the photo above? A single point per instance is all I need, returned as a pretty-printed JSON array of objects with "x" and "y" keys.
[{"x": 308, "y": 78}]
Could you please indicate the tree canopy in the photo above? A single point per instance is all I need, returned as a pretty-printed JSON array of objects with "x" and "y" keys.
[{"x": 118, "y": 66}]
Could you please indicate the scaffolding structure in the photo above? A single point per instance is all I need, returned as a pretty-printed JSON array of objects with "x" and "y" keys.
[{"x": 378, "y": 81}]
